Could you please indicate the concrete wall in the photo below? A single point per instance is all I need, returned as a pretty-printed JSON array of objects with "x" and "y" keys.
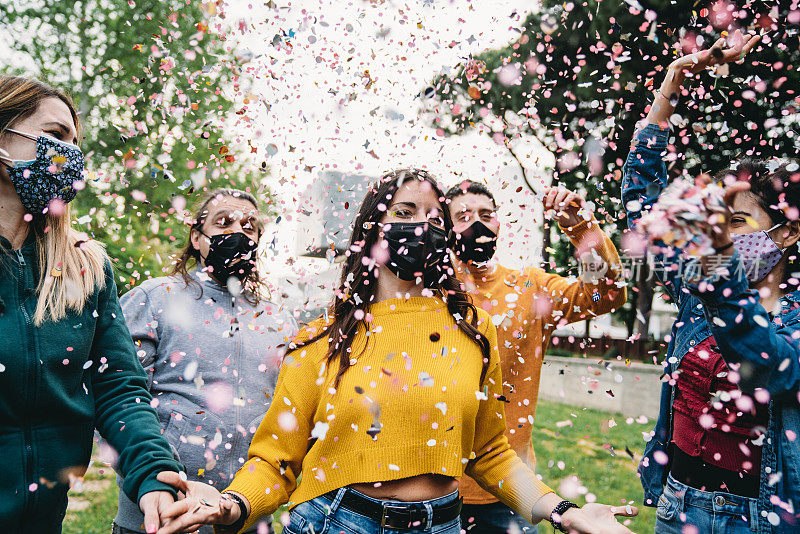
[{"x": 635, "y": 389}]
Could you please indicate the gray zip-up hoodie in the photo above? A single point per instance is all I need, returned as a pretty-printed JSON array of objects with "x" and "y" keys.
[{"x": 212, "y": 362}]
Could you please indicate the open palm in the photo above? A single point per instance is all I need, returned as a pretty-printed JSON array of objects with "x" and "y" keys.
[{"x": 596, "y": 518}]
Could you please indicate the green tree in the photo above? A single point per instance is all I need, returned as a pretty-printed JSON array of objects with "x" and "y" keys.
[
  {"x": 155, "y": 83},
  {"x": 581, "y": 74}
]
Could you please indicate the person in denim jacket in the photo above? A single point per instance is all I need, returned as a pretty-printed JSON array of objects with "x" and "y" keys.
[
  {"x": 725, "y": 455},
  {"x": 210, "y": 343}
]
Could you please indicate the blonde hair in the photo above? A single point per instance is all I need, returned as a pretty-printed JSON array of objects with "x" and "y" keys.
[{"x": 71, "y": 267}]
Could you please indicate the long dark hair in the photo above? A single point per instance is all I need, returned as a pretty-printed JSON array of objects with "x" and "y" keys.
[
  {"x": 189, "y": 257},
  {"x": 357, "y": 287},
  {"x": 776, "y": 185}
]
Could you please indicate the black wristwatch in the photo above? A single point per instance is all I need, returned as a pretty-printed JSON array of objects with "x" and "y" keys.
[
  {"x": 237, "y": 526},
  {"x": 558, "y": 511}
]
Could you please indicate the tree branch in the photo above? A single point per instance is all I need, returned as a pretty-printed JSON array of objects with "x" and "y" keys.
[{"x": 546, "y": 242}]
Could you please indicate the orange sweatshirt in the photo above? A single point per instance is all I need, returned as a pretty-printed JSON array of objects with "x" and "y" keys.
[
  {"x": 411, "y": 403},
  {"x": 526, "y": 306}
]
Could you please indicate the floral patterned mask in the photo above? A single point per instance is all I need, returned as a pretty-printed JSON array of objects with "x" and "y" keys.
[{"x": 58, "y": 165}]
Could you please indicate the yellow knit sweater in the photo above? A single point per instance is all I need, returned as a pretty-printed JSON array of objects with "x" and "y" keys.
[{"x": 417, "y": 383}]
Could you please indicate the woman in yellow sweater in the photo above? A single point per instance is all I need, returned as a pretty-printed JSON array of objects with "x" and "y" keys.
[{"x": 385, "y": 405}]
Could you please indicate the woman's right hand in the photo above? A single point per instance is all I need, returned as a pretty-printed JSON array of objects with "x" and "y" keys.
[
  {"x": 591, "y": 518},
  {"x": 202, "y": 505},
  {"x": 596, "y": 518},
  {"x": 664, "y": 105},
  {"x": 717, "y": 54}
]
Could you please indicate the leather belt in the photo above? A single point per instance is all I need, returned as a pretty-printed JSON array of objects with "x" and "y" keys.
[{"x": 398, "y": 515}]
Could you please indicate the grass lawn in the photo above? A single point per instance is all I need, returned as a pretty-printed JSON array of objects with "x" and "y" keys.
[
  {"x": 591, "y": 445},
  {"x": 93, "y": 504},
  {"x": 569, "y": 442}
]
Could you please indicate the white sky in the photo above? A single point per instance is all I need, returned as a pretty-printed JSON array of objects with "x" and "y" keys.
[{"x": 318, "y": 99}]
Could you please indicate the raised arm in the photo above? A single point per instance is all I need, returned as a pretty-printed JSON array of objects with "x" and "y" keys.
[
  {"x": 644, "y": 172},
  {"x": 644, "y": 177},
  {"x": 600, "y": 290}
]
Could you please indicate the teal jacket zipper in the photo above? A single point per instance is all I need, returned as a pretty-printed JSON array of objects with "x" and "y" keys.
[{"x": 31, "y": 370}]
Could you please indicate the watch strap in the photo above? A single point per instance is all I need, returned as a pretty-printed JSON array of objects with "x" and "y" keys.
[
  {"x": 558, "y": 511},
  {"x": 237, "y": 526}
]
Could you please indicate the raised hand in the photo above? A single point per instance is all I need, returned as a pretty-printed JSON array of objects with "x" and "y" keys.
[
  {"x": 718, "y": 54},
  {"x": 203, "y": 505},
  {"x": 596, "y": 518},
  {"x": 566, "y": 204}
]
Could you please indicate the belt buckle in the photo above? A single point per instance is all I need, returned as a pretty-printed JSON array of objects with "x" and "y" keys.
[{"x": 385, "y": 515}]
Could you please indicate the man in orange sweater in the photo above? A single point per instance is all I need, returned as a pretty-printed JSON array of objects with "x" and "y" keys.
[{"x": 526, "y": 306}]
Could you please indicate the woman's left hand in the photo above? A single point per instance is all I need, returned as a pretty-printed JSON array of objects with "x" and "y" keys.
[{"x": 596, "y": 518}]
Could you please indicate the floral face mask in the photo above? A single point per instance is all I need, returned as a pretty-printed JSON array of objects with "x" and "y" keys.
[{"x": 58, "y": 165}]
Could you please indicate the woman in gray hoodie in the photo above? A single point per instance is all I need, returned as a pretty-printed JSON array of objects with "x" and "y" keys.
[{"x": 210, "y": 343}]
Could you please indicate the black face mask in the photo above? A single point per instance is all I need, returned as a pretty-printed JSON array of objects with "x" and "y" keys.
[
  {"x": 224, "y": 250},
  {"x": 477, "y": 243},
  {"x": 412, "y": 255}
]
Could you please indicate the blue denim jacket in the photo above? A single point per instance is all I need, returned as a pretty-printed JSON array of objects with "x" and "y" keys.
[{"x": 728, "y": 309}]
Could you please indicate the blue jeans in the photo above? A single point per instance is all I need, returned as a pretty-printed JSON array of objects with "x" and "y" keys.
[
  {"x": 715, "y": 512},
  {"x": 205, "y": 529},
  {"x": 494, "y": 518},
  {"x": 324, "y": 516}
]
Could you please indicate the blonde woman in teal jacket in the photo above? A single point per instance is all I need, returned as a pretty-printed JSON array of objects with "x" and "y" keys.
[{"x": 67, "y": 361}]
